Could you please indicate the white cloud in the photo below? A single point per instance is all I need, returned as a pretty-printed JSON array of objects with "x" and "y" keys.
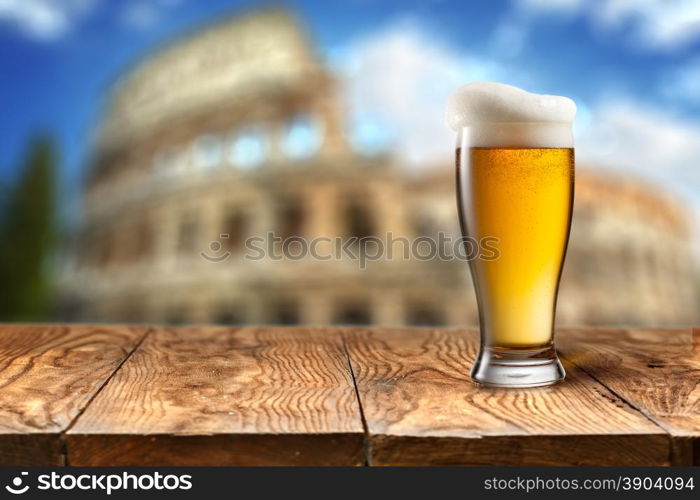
[
  {"x": 401, "y": 78},
  {"x": 658, "y": 24},
  {"x": 683, "y": 84},
  {"x": 45, "y": 19},
  {"x": 647, "y": 142},
  {"x": 142, "y": 14},
  {"x": 561, "y": 5},
  {"x": 643, "y": 140}
]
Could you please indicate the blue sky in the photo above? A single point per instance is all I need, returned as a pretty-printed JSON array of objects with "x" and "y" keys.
[{"x": 632, "y": 67}]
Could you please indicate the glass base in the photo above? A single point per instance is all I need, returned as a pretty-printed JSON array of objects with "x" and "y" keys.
[{"x": 517, "y": 368}]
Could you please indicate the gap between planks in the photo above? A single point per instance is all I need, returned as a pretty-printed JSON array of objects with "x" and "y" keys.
[
  {"x": 622, "y": 398},
  {"x": 62, "y": 435},
  {"x": 367, "y": 442}
]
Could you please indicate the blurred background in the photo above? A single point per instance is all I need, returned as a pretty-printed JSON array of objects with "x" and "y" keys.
[{"x": 134, "y": 134}]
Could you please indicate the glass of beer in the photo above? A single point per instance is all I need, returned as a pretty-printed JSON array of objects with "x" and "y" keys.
[{"x": 515, "y": 183}]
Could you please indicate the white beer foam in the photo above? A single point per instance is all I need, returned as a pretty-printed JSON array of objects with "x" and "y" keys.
[{"x": 489, "y": 114}]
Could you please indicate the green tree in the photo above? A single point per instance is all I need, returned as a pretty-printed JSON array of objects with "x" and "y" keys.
[{"x": 27, "y": 235}]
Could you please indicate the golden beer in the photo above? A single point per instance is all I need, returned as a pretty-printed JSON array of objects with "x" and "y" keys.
[
  {"x": 515, "y": 186},
  {"x": 523, "y": 197}
]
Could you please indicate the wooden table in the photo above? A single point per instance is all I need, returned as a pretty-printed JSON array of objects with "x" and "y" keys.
[{"x": 117, "y": 395}]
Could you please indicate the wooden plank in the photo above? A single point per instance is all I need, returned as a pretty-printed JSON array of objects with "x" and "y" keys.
[
  {"x": 656, "y": 371},
  {"x": 222, "y": 396},
  {"x": 421, "y": 409},
  {"x": 48, "y": 374}
]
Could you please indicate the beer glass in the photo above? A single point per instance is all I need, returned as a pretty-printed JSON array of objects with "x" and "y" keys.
[{"x": 523, "y": 196}]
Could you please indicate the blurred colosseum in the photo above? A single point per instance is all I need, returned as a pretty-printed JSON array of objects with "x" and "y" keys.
[{"x": 236, "y": 130}]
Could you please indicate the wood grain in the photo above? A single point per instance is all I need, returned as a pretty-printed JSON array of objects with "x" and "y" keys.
[
  {"x": 656, "y": 371},
  {"x": 421, "y": 409},
  {"x": 47, "y": 376},
  {"x": 269, "y": 396},
  {"x": 225, "y": 396}
]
